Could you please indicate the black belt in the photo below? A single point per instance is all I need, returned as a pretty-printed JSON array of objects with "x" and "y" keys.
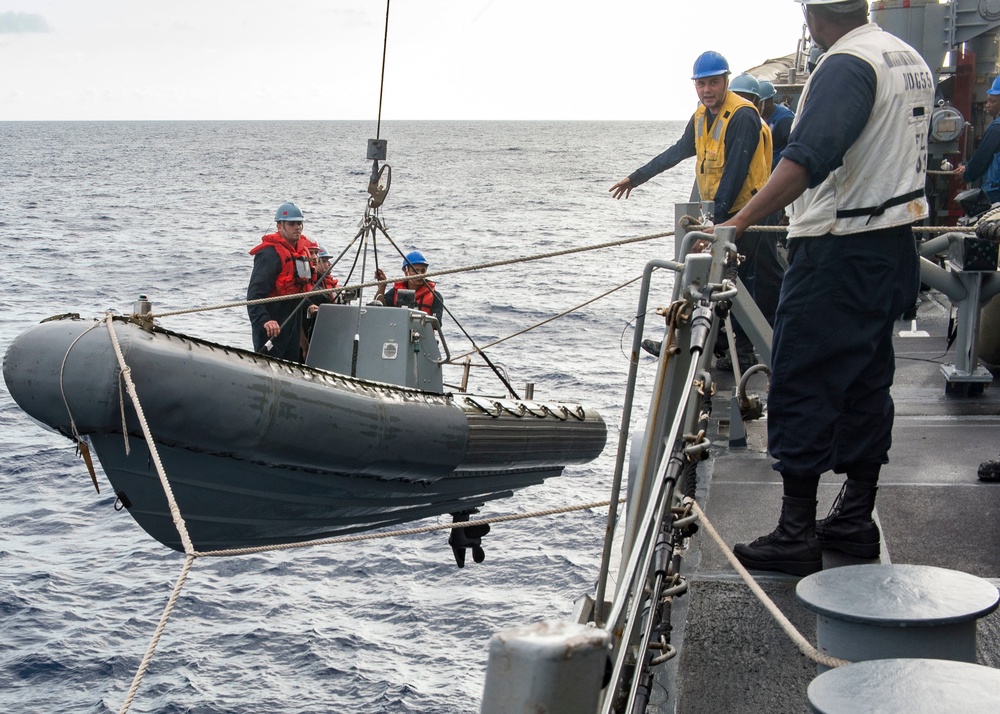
[{"x": 881, "y": 208}]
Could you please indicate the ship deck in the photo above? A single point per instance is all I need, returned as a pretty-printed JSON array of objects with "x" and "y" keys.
[{"x": 932, "y": 509}]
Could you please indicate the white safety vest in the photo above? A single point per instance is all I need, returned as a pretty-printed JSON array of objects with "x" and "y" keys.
[{"x": 881, "y": 182}]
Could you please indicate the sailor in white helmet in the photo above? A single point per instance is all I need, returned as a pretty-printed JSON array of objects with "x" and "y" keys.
[{"x": 853, "y": 173}]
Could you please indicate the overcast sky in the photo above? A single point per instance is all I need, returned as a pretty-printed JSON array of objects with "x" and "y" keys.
[{"x": 321, "y": 59}]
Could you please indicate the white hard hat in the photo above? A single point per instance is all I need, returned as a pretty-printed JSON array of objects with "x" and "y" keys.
[{"x": 838, "y": 5}]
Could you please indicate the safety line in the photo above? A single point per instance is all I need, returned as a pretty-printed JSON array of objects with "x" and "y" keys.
[
  {"x": 450, "y": 271},
  {"x": 548, "y": 320},
  {"x": 406, "y": 531},
  {"x": 501, "y": 263},
  {"x": 797, "y": 637},
  {"x": 148, "y": 657}
]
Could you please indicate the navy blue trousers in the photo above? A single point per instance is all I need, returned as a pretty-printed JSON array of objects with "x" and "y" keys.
[{"x": 832, "y": 362}]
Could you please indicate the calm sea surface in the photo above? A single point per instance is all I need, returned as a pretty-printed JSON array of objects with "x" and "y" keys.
[{"x": 93, "y": 214}]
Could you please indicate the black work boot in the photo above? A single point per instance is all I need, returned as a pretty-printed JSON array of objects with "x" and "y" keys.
[
  {"x": 651, "y": 346},
  {"x": 792, "y": 547},
  {"x": 849, "y": 528},
  {"x": 747, "y": 360}
]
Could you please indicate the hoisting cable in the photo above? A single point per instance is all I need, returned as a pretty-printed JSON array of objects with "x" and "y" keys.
[
  {"x": 381, "y": 86},
  {"x": 354, "y": 264},
  {"x": 356, "y": 346}
]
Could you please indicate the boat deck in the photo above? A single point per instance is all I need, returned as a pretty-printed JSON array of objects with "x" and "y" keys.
[{"x": 931, "y": 507}]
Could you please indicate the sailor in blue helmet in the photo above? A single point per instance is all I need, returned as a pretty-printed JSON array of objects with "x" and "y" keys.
[
  {"x": 853, "y": 174},
  {"x": 748, "y": 87},
  {"x": 281, "y": 266},
  {"x": 426, "y": 296},
  {"x": 778, "y": 117},
  {"x": 733, "y": 149},
  {"x": 985, "y": 162}
]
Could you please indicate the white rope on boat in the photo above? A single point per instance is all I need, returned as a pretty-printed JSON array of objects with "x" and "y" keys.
[
  {"x": 501, "y": 263},
  {"x": 126, "y": 375},
  {"x": 797, "y": 637}
]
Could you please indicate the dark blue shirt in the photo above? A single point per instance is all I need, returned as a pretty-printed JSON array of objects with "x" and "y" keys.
[
  {"x": 984, "y": 156},
  {"x": 780, "y": 124},
  {"x": 742, "y": 137},
  {"x": 266, "y": 266},
  {"x": 837, "y": 109}
]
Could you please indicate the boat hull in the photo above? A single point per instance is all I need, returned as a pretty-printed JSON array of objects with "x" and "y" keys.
[
  {"x": 228, "y": 503},
  {"x": 259, "y": 451}
]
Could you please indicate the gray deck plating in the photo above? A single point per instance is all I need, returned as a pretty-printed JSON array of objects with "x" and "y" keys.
[{"x": 932, "y": 509}]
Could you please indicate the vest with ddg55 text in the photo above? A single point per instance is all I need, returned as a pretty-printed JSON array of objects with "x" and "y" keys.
[
  {"x": 881, "y": 182},
  {"x": 710, "y": 148}
]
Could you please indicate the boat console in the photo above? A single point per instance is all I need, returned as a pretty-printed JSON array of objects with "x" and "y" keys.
[{"x": 394, "y": 345}]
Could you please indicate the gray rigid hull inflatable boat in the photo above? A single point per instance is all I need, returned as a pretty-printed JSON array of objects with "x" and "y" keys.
[{"x": 259, "y": 451}]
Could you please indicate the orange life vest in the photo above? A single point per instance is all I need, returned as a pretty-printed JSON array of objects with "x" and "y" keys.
[
  {"x": 289, "y": 280},
  {"x": 328, "y": 282},
  {"x": 423, "y": 298}
]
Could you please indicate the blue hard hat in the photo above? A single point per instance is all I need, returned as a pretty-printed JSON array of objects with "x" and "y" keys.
[
  {"x": 745, "y": 83},
  {"x": 323, "y": 253},
  {"x": 709, "y": 64},
  {"x": 288, "y": 212},
  {"x": 995, "y": 89},
  {"x": 767, "y": 90},
  {"x": 414, "y": 257}
]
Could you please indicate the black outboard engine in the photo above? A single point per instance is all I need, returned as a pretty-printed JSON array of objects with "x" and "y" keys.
[{"x": 468, "y": 538}]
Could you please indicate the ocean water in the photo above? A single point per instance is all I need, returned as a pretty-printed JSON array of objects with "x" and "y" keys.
[{"x": 94, "y": 214}]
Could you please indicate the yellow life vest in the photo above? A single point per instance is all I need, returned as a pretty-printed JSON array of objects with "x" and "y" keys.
[{"x": 710, "y": 145}]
